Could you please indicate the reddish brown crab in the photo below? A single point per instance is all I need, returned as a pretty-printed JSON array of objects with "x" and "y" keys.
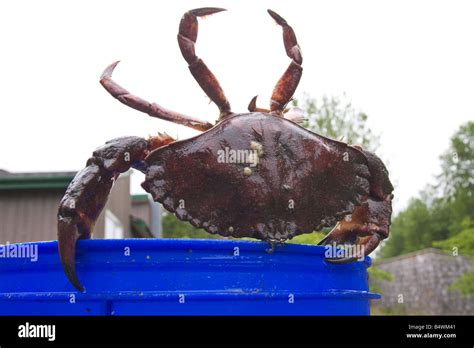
[{"x": 293, "y": 181}]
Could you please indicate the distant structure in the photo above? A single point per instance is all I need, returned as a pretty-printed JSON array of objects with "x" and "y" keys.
[
  {"x": 421, "y": 282},
  {"x": 146, "y": 214},
  {"x": 29, "y": 204}
]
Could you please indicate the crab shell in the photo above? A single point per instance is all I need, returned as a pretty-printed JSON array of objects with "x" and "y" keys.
[{"x": 295, "y": 182}]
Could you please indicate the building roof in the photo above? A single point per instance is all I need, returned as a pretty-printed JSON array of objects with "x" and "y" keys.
[
  {"x": 140, "y": 198},
  {"x": 39, "y": 180},
  {"x": 34, "y": 180}
]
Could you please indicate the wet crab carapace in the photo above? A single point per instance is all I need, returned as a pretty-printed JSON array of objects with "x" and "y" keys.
[{"x": 293, "y": 181}]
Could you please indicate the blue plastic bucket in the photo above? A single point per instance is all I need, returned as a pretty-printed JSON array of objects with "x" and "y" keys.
[{"x": 183, "y": 277}]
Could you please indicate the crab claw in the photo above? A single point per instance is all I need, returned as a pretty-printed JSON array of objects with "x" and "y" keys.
[
  {"x": 107, "y": 74},
  {"x": 360, "y": 233},
  {"x": 79, "y": 209},
  {"x": 206, "y": 11},
  {"x": 279, "y": 19},
  {"x": 67, "y": 237},
  {"x": 87, "y": 193},
  {"x": 360, "y": 245}
]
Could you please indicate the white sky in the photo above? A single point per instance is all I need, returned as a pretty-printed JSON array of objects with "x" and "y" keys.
[{"x": 408, "y": 64}]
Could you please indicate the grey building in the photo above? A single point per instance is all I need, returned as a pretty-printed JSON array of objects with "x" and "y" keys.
[
  {"x": 145, "y": 211},
  {"x": 29, "y": 204}
]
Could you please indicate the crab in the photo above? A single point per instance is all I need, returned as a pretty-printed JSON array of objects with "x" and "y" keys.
[{"x": 291, "y": 181}]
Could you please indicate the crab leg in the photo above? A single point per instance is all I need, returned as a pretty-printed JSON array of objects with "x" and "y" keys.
[
  {"x": 87, "y": 194},
  {"x": 287, "y": 84},
  {"x": 188, "y": 31},
  {"x": 152, "y": 109}
]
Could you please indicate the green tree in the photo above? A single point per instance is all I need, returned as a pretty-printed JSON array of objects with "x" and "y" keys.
[
  {"x": 464, "y": 284},
  {"x": 376, "y": 276},
  {"x": 336, "y": 118},
  {"x": 441, "y": 210},
  {"x": 417, "y": 227},
  {"x": 458, "y": 163},
  {"x": 308, "y": 238},
  {"x": 456, "y": 183},
  {"x": 174, "y": 228},
  {"x": 461, "y": 244}
]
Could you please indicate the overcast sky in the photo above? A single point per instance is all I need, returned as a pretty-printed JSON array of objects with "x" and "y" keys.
[{"x": 408, "y": 64}]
